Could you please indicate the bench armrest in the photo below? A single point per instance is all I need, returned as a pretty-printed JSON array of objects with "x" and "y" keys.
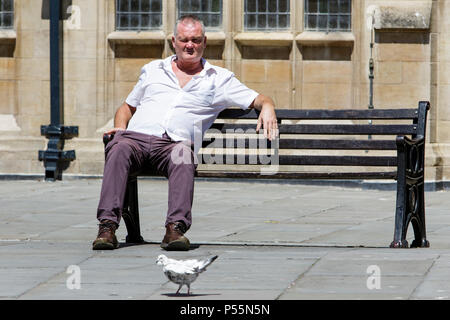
[
  {"x": 107, "y": 138},
  {"x": 403, "y": 141}
]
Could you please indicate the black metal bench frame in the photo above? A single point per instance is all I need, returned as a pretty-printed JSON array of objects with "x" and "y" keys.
[{"x": 408, "y": 165}]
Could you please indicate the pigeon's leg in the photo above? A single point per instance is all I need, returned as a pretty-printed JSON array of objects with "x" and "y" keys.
[
  {"x": 189, "y": 289},
  {"x": 178, "y": 291}
]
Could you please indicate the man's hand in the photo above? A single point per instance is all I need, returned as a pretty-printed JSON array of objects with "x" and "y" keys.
[
  {"x": 112, "y": 131},
  {"x": 267, "y": 117}
]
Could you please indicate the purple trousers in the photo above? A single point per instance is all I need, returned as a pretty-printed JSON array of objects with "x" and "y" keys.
[{"x": 131, "y": 151}]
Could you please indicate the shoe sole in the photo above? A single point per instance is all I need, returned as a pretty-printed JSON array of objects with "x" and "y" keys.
[
  {"x": 177, "y": 245},
  {"x": 104, "y": 245}
]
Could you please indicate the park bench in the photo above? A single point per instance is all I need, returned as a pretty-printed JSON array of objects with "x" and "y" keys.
[{"x": 349, "y": 144}]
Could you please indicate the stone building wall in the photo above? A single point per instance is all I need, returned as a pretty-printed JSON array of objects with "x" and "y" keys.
[{"x": 297, "y": 68}]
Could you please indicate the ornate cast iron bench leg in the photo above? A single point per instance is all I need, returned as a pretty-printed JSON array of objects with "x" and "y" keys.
[
  {"x": 416, "y": 193},
  {"x": 131, "y": 212},
  {"x": 410, "y": 205}
]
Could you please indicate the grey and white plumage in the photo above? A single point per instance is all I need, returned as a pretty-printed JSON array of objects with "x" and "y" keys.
[{"x": 183, "y": 272}]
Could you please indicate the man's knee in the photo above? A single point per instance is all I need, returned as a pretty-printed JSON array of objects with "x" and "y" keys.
[
  {"x": 182, "y": 155},
  {"x": 123, "y": 149}
]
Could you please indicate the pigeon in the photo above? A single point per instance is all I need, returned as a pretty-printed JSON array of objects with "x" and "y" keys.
[{"x": 183, "y": 272}]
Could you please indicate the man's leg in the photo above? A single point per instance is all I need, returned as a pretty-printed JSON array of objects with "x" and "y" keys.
[
  {"x": 175, "y": 161},
  {"x": 180, "y": 172},
  {"x": 123, "y": 154}
]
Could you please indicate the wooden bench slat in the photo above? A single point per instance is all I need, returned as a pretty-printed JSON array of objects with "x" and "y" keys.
[
  {"x": 298, "y": 175},
  {"x": 343, "y": 129},
  {"x": 388, "y": 114},
  {"x": 320, "y": 144},
  {"x": 241, "y": 159},
  {"x": 338, "y": 160}
]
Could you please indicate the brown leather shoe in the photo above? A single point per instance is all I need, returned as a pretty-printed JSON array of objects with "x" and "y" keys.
[
  {"x": 106, "y": 238},
  {"x": 174, "y": 238}
]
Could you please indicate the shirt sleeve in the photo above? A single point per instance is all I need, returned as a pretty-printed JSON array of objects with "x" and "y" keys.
[
  {"x": 238, "y": 94},
  {"x": 134, "y": 98}
]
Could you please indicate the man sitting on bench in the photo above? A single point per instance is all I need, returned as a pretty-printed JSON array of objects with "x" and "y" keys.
[{"x": 157, "y": 123}]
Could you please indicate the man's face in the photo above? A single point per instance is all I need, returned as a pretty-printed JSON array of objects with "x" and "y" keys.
[{"x": 189, "y": 43}]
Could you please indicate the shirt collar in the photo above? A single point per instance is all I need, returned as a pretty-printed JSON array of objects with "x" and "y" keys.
[{"x": 167, "y": 65}]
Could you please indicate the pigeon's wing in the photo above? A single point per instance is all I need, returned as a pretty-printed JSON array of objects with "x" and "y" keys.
[
  {"x": 180, "y": 274},
  {"x": 179, "y": 268},
  {"x": 191, "y": 263}
]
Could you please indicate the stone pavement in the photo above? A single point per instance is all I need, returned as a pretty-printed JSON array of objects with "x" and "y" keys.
[{"x": 274, "y": 241}]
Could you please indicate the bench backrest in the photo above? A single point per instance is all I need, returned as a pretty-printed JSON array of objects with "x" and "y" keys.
[{"x": 233, "y": 142}]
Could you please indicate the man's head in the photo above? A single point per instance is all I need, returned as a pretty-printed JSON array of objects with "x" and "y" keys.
[{"x": 189, "y": 40}]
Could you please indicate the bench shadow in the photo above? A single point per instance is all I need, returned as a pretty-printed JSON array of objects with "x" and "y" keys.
[
  {"x": 185, "y": 295},
  {"x": 132, "y": 244}
]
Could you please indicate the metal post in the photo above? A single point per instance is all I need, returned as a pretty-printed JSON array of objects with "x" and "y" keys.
[
  {"x": 55, "y": 159},
  {"x": 371, "y": 67}
]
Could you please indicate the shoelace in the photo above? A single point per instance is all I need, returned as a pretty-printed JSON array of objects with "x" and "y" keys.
[
  {"x": 180, "y": 227},
  {"x": 106, "y": 226}
]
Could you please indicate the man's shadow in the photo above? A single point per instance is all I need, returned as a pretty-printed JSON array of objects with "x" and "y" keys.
[{"x": 122, "y": 245}]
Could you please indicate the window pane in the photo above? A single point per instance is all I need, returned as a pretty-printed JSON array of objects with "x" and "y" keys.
[
  {"x": 7, "y": 20},
  {"x": 195, "y": 6},
  {"x": 123, "y": 5},
  {"x": 283, "y": 21},
  {"x": 345, "y": 6},
  {"x": 272, "y": 21},
  {"x": 323, "y": 22},
  {"x": 323, "y": 6},
  {"x": 205, "y": 5},
  {"x": 334, "y": 6},
  {"x": 156, "y": 6},
  {"x": 134, "y": 21},
  {"x": 344, "y": 22},
  {"x": 145, "y": 6},
  {"x": 123, "y": 21},
  {"x": 312, "y": 21},
  {"x": 333, "y": 22},
  {"x": 155, "y": 20},
  {"x": 312, "y": 6},
  {"x": 214, "y": 21},
  {"x": 7, "y": 5},
  {"x": 261, "y": 21},
  {"x": 216, "y": 6},
  {"x": 145, "y": 21},
  {"x": 262, "y": 6},
  {"x": 135, "y": 5},
  {"x": 283, "y": 6},
  {"x": 251, "y": 21},
  {"x": 251, "y": 5},
  {"x": 272, "y": 6},
  {"x": 183, "y": 5}
]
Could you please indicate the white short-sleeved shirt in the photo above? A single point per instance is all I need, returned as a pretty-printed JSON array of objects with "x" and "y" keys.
[{"x": 184, "y": 113}]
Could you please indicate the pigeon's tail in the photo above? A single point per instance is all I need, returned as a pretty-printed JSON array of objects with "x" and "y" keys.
[{"x": 207, "y": 263}]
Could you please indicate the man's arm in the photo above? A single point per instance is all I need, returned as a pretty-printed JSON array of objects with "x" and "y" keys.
[
  {"x": 267, "y": 117},
  {"x": 123, "y": 115}
]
